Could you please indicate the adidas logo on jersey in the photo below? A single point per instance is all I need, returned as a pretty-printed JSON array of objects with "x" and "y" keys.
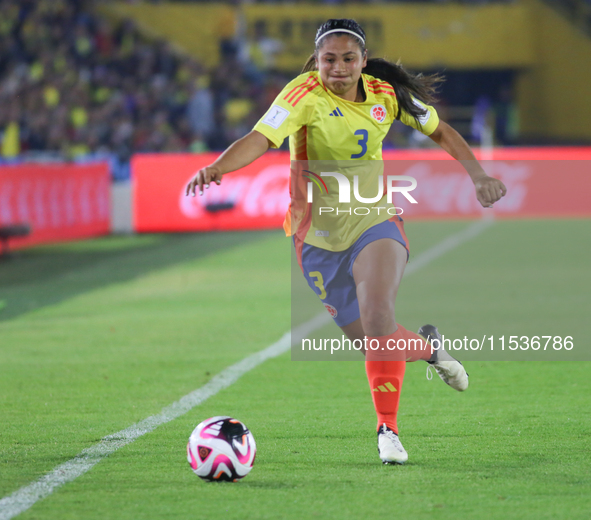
[{"x": 336, "y": 112}]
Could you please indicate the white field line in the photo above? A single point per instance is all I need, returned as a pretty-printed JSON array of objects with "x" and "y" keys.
[{"x": 27, "y": 496}]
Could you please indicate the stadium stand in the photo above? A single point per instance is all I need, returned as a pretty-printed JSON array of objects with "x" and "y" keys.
[
  {"x": 77, "y": 84},
  {"x": 72, "y": 85},
  {"x": 578, "y": 11}
]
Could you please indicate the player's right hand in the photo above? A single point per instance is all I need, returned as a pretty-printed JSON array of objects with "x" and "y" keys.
[
  {"x": 204, "y": 177},
  {"x": 489, "y": 190}
]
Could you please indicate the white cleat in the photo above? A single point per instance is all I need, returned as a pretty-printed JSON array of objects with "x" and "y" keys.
[
  {"x": 452, "y": 373},
  {"x": 450, "y": 370},
  {"x": 390, "y": 448}
]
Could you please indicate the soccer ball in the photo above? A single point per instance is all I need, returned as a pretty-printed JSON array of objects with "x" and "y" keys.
[{"x": 221, "y": 448}]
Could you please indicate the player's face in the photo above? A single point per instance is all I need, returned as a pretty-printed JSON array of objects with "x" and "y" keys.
[{"x": 339, "y": 62}]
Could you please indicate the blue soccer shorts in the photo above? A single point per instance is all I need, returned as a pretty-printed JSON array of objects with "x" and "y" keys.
[{"x": 330, "y": 273}]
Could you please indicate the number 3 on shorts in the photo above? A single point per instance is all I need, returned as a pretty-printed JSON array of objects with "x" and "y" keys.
[{"x": 318, "y": 283}]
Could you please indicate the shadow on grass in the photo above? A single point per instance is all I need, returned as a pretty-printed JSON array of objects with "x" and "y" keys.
[{"x": 45, "y": 275}]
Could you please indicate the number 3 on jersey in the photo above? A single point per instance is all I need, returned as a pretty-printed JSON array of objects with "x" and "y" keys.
[
  {"x": 318, "y": 283},
  {"x": 362, "y": 142}
]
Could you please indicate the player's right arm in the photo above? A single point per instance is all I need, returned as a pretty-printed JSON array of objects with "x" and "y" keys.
[
  {"x": 289, "y": 112},
  {"x": 238, "y": 155}
]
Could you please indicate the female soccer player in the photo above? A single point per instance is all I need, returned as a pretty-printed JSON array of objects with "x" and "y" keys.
[{"x": 341, "y": 108}]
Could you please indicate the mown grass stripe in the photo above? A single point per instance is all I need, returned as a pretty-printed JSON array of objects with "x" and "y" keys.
[{"x": 27, "y": 496}]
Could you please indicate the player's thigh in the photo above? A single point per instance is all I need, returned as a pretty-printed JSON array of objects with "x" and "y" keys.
[
  {"x": 354, "y": 330},
  {"x": 378, "y": 271}
]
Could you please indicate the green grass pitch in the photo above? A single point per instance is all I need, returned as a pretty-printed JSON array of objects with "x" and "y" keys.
[{"x": 100, "y": 334}]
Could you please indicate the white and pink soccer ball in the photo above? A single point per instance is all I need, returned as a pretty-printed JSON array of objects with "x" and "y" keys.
[{"x": 221, "y": 448}]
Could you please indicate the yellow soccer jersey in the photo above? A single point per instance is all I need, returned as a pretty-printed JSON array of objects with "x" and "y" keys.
[{"x": 324, "y": 127}]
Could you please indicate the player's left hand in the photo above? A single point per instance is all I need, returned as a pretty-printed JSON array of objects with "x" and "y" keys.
[{"x": 489, "y": 190}]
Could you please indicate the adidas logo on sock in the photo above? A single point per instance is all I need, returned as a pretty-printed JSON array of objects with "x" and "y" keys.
[
  {"x": 387, "y": 387},
  {"x": 336, "y": 112}
]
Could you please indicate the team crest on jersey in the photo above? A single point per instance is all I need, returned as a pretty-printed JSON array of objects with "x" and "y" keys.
[
  {"x": 378, "y": 112},
  {"x": 331, "y": 310}
]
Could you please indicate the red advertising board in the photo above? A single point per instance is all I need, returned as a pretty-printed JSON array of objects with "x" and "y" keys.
[
  {"x": 255, "y": 197},
  {"x": 59, "y": 202},
  {"x": 541, "y": 182},
  {"x": 535, "y": 189}
]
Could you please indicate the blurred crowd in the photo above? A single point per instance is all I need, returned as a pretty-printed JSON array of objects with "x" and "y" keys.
[
  {"x": 74, "y": 85},
  {"x": 328, "y": 1}
]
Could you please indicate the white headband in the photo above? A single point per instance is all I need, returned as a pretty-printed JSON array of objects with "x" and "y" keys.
[{"x": 341, "y": 31}]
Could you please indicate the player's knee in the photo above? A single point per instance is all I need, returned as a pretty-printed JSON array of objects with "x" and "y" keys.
[{"x": 377, "y": 317}]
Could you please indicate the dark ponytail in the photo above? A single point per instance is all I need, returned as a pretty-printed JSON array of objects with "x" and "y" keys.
[
  {"x": 405, "y": 84},
  {"x": 310, "y": 64}
]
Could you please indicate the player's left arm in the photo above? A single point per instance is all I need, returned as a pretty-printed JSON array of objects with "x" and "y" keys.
[{"x": 488, "y": 189}]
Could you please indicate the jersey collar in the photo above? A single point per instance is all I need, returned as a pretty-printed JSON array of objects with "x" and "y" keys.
[{"x": 369, "y": 95}]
